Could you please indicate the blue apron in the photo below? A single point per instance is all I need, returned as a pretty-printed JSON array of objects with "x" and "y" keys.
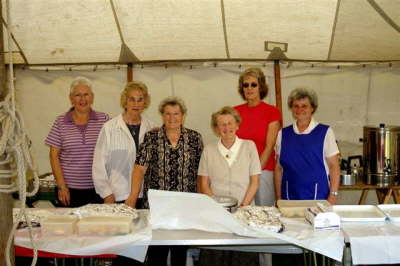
[{"x": 302, "y": 160}]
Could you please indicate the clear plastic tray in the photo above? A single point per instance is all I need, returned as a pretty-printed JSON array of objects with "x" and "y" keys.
[
  {"x": 392, "y": 211},
  {"x": 359, "y": 213},
  {"x": 106, "y": 225},
  {"x": 58, "y": 225}
]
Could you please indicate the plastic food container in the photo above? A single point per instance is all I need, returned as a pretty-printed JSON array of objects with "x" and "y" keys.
[
  {"x": 104, "y": 225},
  {"x": 59, "y": 225},
  {"x": 296, "y": 208},
  {"x": 359, "y": 213}
]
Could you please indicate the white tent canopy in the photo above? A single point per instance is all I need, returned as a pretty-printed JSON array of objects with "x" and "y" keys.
[
  {"x": 120, "y": 31},
  {"x": 96, "y": 32}
]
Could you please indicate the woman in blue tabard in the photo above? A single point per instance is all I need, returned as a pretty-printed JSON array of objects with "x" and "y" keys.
[{"x": 307, "y": 154}]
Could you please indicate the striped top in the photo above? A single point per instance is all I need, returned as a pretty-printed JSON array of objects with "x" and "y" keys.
[{"x": 76, "y": 145}]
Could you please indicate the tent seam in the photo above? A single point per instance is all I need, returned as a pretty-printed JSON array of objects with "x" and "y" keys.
[
  {"x": 383, "y": 14},
  {"x": 16, "y": 43},
  {"x": 224, "y": 29},
  {"x": 333, "y": 30}
]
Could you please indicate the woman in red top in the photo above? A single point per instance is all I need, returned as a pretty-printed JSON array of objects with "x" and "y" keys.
[{"x": 260, "y": 123}]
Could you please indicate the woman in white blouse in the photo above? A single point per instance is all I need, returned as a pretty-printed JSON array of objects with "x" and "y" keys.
[
  {"x": 230, "y": 166},
  {"x": 118, "y": 143}
]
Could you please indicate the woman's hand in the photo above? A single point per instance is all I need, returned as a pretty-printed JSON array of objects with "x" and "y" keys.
[
  {"x": 63, "y": 196},
  {"x": 131, "y": 201},
  {"x": 109, "y": 199},
  {"x": 332, "y": 199}
]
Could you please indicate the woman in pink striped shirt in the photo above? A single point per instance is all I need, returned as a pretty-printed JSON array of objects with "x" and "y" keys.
[{"x": 72, "y": 139}]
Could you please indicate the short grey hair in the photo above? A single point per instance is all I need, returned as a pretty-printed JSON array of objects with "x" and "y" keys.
[
  {"x": 172, "y": 100},
  {"x": 226, "y": 110},
  {"x": 301, "y": 93},
  {"x": 80, "y": 81}
]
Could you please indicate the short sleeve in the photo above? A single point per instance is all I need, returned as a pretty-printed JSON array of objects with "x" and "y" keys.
[
  {"x": 275, "y": 114},
  {"x": 54, "y": 136},
  {"x": 143, "y": 157},
  {"x": 255, "y": 166},
  {"x": 199, "y": 147},
  {"x": 203, "y": 165},
  {"x": 330, "y": 146},
  {"x": 278, "y": 143}
]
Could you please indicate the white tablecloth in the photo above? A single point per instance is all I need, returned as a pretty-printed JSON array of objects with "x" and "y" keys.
[
  {"x": 373, "y": 242},
  {"x": 177, "y": 210},
  {"x": 133, "y": 245}
]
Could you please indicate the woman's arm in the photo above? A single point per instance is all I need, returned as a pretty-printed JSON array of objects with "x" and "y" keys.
[
  {"x": 251, "y": 190},
  {"x": 63, "y": 192},
  {"x": 137, "y": 177},
  {"x": 278, "y": 179},
  {"x": 273, "y": 129},
  {"x": 204, "y": 185},
  {"x": 334, "y": 176},
  {"x": 99, "y": 171}
]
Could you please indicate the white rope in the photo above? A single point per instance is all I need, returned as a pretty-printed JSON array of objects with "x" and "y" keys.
[{"x": 14, "y": 146}]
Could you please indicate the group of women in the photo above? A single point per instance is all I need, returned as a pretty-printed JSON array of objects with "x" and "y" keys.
[{"x": 95, "y": 159}]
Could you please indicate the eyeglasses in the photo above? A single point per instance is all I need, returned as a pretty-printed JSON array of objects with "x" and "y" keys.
[{"x": 253, "y": 85}]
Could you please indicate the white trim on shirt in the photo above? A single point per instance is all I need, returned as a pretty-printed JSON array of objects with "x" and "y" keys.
[{"x": 230, "y": 154}]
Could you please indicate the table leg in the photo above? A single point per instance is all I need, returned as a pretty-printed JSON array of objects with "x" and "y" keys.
[
  {"x": 363, "y": 197},
  {"x": 380, "y": 194},
  {"x": 387, "y": 196},
  {"x": 347, "y": 259},
  {"x": 396, "y": 196}
]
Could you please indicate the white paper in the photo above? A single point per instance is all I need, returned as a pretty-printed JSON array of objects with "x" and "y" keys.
[
  {"x": 373, "y": 243},
  {"x": 133, "y": 245},
  {"x": 180, "y": 211}
]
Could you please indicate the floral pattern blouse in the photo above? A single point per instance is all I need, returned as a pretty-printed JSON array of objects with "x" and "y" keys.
[{"x": 170, "y": 168}]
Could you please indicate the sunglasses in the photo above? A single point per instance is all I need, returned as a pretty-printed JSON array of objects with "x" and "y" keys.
[{"x": 253, "y": 85}]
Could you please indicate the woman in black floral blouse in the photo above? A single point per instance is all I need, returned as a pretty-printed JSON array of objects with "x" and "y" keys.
[{"x": 168, "y": 159}]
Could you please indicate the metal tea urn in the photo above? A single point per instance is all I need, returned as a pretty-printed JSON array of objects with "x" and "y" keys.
[{"x": 381, "y": 147}]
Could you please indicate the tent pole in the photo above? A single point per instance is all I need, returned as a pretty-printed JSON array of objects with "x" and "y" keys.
[
  {"x": 129, "y": 72},
  {"x": 6, "y": 202},
  {"x": 278, "y": 91}
]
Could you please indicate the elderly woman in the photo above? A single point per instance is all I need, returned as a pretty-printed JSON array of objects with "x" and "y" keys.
[
  {"x": 168, "y": 159},
  {"x": 307, "y": 154},
  {"x": 260, "y": 123},
  {"x": 230, "y": 166},
  {"x": 72, "y": 139},
  {"x": 118, "y": 143}
]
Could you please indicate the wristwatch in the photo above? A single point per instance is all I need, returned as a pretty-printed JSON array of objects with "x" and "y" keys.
[{"x": 334, "y": 193}]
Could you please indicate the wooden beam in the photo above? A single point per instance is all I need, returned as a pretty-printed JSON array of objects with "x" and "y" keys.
[
  {"x": 6, "y": 202},
  {"x": 129, "y": 72}
]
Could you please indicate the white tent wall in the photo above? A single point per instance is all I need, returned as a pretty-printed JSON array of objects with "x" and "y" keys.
[{"x": 349, "y": 98}]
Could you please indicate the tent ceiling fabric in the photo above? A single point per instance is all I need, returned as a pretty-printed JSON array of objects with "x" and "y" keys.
[
  {"x": 76, "y": 31},
  {"x": 369, "y": 38}
]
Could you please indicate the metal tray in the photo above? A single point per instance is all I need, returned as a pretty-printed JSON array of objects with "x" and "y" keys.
[
  {"x": 392, "y": 211},
  {"x": 359, "y": 213}
]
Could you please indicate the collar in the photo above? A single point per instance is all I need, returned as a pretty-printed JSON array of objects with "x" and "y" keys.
[
  {"x": 233, "y": 150},
  {"x": 310, "y": 127},
  {"x": 68, "y": 116},
  {"x": 161, "y": 132}
]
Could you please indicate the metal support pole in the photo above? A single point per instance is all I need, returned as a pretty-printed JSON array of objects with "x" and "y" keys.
[{"x": 278, "y": 89}]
